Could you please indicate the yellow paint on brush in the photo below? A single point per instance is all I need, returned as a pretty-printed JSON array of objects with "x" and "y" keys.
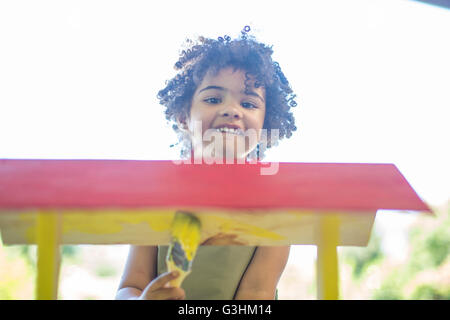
[
  {"x": 186, "y": 229},
  {"x": 186, "y": 234},
  {"x": 183, "y": 274}
]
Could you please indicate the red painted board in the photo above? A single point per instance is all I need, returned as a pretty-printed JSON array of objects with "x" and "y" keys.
[{"x": 100, "y": 184}]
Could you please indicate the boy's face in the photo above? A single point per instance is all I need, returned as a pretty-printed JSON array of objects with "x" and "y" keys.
[{"x": 220, "y": 101}]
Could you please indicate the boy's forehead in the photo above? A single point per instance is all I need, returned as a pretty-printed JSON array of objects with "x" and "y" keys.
[
  {"x": 229, "y": 76},
  {"x": 226, "y": 72}
]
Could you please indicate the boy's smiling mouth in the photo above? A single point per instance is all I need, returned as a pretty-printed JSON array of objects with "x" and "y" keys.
[{"x": 230, "y": 128}]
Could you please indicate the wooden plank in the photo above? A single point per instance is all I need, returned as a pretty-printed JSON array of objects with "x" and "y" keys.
[{"x": 147, "y": 227}]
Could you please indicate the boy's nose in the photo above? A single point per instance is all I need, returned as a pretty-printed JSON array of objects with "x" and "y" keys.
[{"x": 231, "y": 111}]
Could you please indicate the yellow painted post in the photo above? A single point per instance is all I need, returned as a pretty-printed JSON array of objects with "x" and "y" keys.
[
  {"x": 48, "y": 255},
  {"x": 327, "y": 260}
]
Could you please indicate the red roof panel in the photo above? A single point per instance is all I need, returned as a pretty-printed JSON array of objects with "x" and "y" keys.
[{"x": 99, "y": 184}]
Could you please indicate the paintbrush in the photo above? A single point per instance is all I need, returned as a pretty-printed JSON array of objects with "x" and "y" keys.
[{"x": 185, "y": 238}]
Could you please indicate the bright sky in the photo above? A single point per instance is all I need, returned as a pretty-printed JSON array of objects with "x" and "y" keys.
[{"x": 78, "y": 79}]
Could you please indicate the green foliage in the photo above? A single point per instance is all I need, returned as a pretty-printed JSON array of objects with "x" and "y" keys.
[
  {"x": 429, "y": 251},
  {"x": 430, "y": 248},
  {"x": 105, "y": 271},
  {"x": 388, "y": 292},
  {"x": 6, "y": 292},
  {"x": 18, "y": 269},
  {"x": 391, "y": 288},
  {"x": 312, "y": 288},
  {"x": 70, "y": 252},
  {"x": 16, "y": 274},
  {"x": 361, "y": 258},
  {"x": 430, "y": 292},
  {"x": 438, "y": 243},
  {"x": 29, "y": 253}
]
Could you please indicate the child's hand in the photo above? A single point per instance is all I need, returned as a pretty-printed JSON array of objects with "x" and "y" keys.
[{"x": 160, "y": 289}]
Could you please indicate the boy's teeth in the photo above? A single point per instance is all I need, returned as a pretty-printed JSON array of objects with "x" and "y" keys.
[{"x": 231, "y": 130}]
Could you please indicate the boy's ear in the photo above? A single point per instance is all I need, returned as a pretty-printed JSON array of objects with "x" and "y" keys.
[{"x": 182, "y": 124}]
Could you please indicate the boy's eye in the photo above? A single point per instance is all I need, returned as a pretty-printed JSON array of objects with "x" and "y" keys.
[
  {"x": 246, "y": 105},
  {"x": 212, "y": 100},
  {"x": 249, "y": 105}
]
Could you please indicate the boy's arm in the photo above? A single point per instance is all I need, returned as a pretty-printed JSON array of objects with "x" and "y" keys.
[
  {"x": 260, "y": 280},
  {"x": 139, "y": 271}
]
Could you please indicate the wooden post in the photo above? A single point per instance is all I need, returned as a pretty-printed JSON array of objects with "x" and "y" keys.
[
  {"x": 48, "y": 255},
  {"x": 327, "y": 260}
]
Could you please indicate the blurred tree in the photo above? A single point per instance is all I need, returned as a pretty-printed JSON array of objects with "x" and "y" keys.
[
  {"x": 430, "y": 248},
  {"x": 425, "y": 275},
  {"x": 71, "y": 252},
  {"x": 430, "y": 292},
  {"x": 105, "y": 271},
  {"x": 28, "y": 252},
  {"x": 360, "y": 258},
  {"x": 391, "y": 288},
  {"x": 16, "y": 275},
  {"x": 18, "y": 269}
]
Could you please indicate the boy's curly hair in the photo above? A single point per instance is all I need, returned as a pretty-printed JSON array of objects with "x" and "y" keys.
[{"x": 243, "y": 53}]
